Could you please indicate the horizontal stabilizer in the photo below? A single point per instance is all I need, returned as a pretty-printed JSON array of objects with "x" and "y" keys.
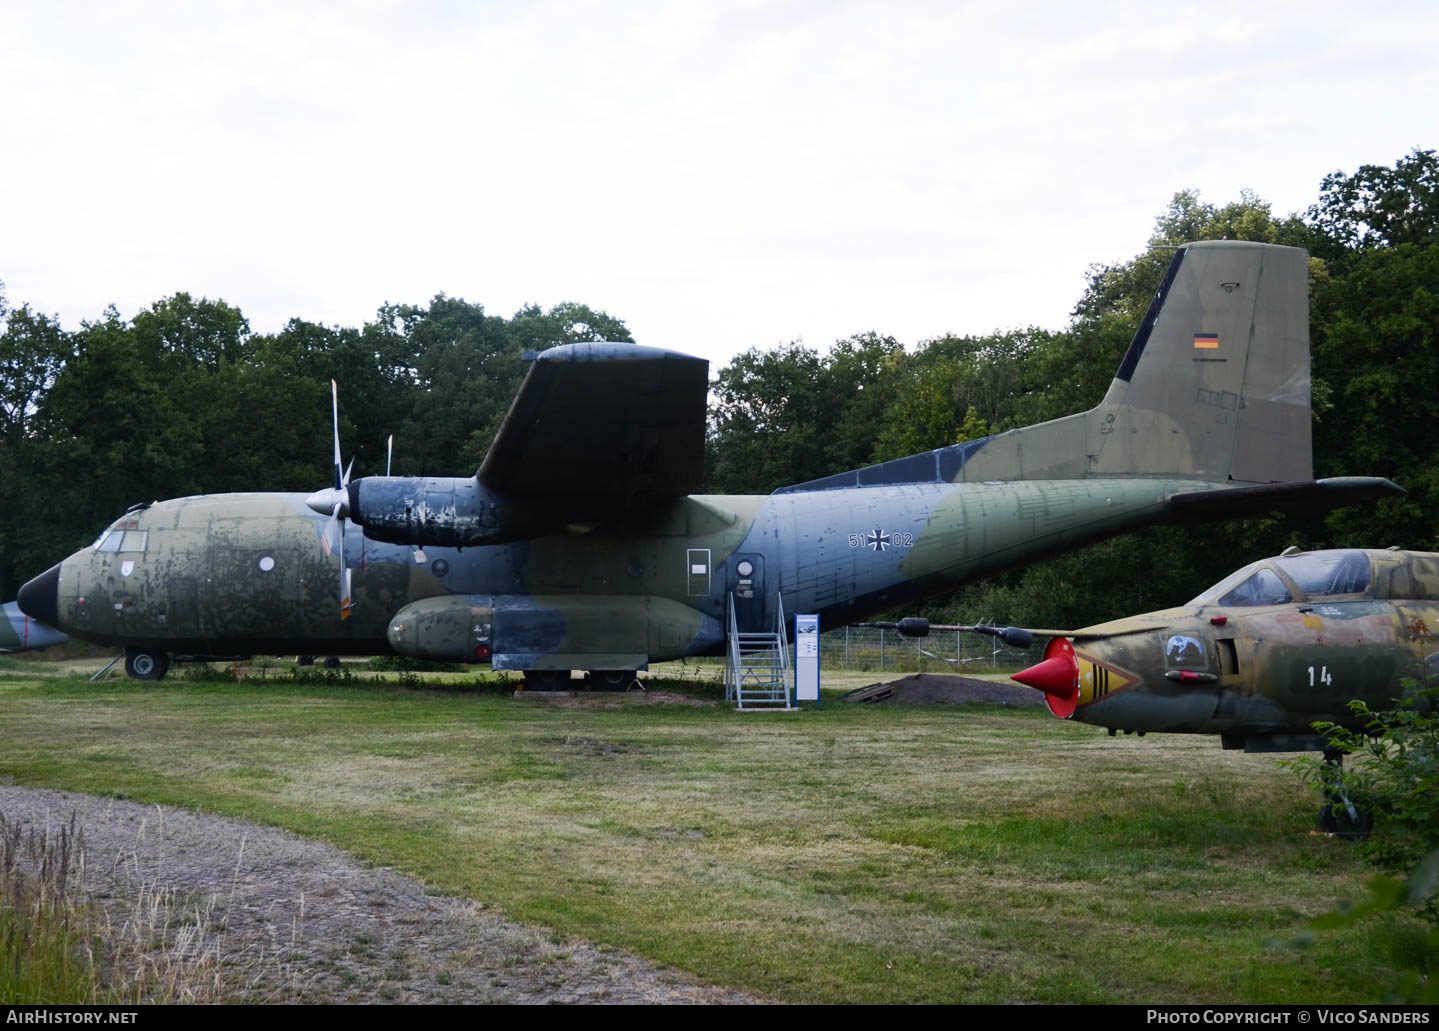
[{"x": 1299, "y": 496}]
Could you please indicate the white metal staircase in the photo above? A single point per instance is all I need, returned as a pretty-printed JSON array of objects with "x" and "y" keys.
[{"x": 757, "y": 664}]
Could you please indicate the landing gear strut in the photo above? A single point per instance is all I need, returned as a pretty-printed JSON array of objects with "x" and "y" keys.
[
  {"x": 144, "y": 664},
  {"x": 1340, "y": 815}
]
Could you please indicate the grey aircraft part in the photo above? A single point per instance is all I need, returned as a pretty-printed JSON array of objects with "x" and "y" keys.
[{"x": 20, "y": 633}]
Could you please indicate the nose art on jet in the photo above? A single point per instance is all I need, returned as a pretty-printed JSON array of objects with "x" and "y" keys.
[{"x": 40, "y": 598}]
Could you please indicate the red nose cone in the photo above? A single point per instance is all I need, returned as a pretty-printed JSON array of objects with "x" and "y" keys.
[
  {"x": 1057, "y": 676},
  {"x": 1054, "y": 676}
]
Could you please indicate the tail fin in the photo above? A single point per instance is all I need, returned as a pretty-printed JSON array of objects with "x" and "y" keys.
[
  {"x": 1214, "y": 387},
  {"x": 1215, "y": 384}
]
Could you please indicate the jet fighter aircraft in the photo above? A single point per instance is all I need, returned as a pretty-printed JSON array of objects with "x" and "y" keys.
[
  {"x": 578, "y": 544},
  {"x": 1260, "y": 656}
]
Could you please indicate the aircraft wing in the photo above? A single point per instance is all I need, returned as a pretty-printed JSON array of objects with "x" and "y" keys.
[
  {"x": 1301, "y": 495},
  {"x": 606, "y": 422}
]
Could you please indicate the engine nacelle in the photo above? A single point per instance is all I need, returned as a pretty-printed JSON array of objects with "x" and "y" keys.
[
  {"x": 452, "y": 628},
  {"x": 444, "y": 511}
]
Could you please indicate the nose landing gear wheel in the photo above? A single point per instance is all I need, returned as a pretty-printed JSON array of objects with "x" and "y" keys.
[{"x": 143, "y": 664}]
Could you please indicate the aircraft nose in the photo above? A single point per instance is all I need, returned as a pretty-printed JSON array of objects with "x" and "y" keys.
[
  {"x": 40, "y": 598},
  {"x": 1057, "y": 675}
]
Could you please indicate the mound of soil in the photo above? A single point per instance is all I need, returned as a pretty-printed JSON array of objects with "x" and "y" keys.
[{"x": 935, "y": 689}]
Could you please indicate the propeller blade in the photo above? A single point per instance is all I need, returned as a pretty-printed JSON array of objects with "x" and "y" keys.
[
  {"x": 334, "y": 536},
  {"x": 335, "y": 413},
  {"x": 336, "y": 500},
  {"x": 346, "y": 602},
  {"x": 389, "y": 453}
]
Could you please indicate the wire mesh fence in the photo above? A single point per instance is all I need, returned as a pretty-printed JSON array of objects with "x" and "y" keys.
[{"x": 871, "y": 649}]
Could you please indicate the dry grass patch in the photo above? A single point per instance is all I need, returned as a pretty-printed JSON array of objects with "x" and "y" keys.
[{"x": 850, "y": 853}]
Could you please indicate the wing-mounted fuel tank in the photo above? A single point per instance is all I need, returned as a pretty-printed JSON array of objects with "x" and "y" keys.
[{"x": 443, "y": 511}]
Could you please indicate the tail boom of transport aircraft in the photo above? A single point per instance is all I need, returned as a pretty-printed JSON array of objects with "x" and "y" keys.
[{"x": 580, "y": 543}]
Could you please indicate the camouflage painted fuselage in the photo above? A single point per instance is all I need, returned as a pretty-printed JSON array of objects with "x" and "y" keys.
[
  {"x": 245, "y": 573},
  {"x": 1264, "y": 654},
  {"x": 578, "y": 543}
]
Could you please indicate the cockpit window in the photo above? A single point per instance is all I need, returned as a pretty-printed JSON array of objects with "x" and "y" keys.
[
  {"x": 1263, "y": 588},
  {"x": 123, "y": 540},
  {"x": 1238, "y": 576},
  {"x": 1328, "y": 572}
]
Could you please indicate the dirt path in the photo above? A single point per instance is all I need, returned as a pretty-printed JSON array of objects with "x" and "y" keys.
[{"x": 283, "y": 919}]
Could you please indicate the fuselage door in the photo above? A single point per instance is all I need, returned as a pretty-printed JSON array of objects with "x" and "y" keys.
[{"x": 746, "y": 583}]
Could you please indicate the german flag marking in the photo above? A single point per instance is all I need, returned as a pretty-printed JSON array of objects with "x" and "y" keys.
[{"x": 1207, "y": 341}]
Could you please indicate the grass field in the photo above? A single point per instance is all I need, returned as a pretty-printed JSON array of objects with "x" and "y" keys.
[{"x": 842, "y": 854}]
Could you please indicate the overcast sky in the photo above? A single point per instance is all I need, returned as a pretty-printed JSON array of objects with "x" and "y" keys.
[{"x": 719, "y": 175}]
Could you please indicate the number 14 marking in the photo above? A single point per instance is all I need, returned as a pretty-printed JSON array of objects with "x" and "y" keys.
[{"x": 1325, "y": 677}]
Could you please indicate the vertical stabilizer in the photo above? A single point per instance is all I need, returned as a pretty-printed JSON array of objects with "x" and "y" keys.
[
  {"x": 1214, "y": 387},
  {"x": 1215, "y": 384}
]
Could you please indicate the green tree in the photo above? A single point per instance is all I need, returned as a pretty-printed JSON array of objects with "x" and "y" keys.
[
  {"x": 764, "y": 431},
  {"x": 953, "y": 386},
  {"x": 1376, "y": 346},
  {"x": 33, "y": 349},
  {"x": 1378, "y": 207}
]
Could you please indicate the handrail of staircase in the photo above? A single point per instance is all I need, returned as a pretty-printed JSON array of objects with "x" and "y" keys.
[{"x": 731, "y": 673}]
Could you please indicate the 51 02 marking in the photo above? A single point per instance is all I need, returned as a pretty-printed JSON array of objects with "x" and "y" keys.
[{"x": 879, "y": 540}]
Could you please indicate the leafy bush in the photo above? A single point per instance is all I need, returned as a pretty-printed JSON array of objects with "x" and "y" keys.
[
  {"x": 1397, "y": 775},
  {"x": 406, "y": 664},
  {"x": 1397, "y": 781}
]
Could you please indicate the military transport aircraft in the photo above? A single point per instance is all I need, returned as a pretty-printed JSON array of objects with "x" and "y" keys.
[
  {"x": 578, "y": 546},
  {"x": 20, "y": 633}
]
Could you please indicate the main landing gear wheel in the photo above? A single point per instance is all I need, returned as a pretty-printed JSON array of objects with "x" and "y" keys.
[
  {"x": 612, "y": 679},
  {"x": 547, "y": 680},
  {"x": 143, "y": 664}
]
